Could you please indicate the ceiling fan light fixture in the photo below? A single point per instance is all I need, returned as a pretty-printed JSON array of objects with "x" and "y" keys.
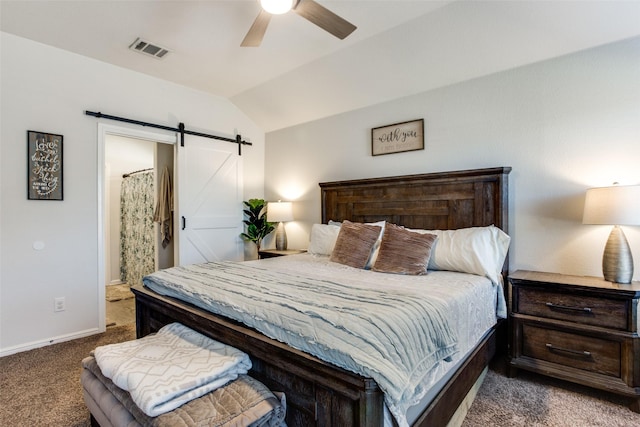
[
  {"x": 277, "y": 7},
  {"x": 308, "y": 9}
]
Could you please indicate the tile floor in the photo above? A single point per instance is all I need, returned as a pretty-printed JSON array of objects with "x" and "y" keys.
[{"x": 121, "y": 312}]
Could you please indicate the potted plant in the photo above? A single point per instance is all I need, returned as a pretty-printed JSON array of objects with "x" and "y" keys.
[{"x": 256, "y": 221}]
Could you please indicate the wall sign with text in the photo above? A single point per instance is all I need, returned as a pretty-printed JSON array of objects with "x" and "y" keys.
[
  {"x": 44, "y": 166},
  {"x": 396, "y": 138}
]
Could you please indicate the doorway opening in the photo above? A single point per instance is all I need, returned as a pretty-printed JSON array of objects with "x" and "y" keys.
[{"x": 132, "y": 243}]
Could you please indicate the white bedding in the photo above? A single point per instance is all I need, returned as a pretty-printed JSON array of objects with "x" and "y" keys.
[
  {"x": 470, "y": 302},
  {"x": 473, "y": 302}
]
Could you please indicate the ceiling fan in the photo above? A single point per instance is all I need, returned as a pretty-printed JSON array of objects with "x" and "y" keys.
[{"x": 308, "y": 9}]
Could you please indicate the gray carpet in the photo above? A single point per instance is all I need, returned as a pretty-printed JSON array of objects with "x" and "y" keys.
[
  {"x": 533, "y": 400},
  {"x": 42, "y": 388}
]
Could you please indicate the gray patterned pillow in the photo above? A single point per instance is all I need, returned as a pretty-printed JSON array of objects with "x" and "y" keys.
[
  {"x": 403, "y": 251},
  {"x": 354, "y": 243}
]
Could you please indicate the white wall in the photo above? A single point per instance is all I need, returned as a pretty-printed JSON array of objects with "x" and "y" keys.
[
  {"x": 564, "y": 125},
  {"x": 47, "y": 89}
]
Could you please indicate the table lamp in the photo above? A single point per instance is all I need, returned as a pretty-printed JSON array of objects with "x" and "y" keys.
[
  {"x": 616, "y": 205},
  {"x": 280, "y": 212}
]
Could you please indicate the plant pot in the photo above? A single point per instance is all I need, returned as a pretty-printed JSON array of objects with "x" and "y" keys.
[{"x": 250, "y": 251}]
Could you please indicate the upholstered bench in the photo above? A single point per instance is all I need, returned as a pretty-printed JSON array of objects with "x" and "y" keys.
[{"x": 243, "y": 402}]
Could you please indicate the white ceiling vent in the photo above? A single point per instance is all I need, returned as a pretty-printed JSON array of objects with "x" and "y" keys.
[{"x": 147, "y": 48}]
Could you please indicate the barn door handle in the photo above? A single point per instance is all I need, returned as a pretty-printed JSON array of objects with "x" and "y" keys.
[{"x": 184, "y": 223}]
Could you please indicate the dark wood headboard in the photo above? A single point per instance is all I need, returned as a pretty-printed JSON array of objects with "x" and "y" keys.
[
  {"x": 432, "y": 201},
  {"x": 445, "y": 200}
]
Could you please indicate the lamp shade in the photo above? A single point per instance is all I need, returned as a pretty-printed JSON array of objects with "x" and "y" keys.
[
  {"x": 279, "y": 211},
  {"x": 615, "y": 205}
]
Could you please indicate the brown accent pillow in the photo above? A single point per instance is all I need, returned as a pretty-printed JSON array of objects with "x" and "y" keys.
[
  {"x": 354, "y": 243},
  {"x": 403, "y": 251}
]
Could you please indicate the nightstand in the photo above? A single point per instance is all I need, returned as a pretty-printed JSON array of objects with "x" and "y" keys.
[
  {"x": 272, "y": 253},
  {"x": 578, "y": 329}
]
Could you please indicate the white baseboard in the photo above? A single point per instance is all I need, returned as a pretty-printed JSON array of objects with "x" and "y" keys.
[{"x": 43, "y": 343}]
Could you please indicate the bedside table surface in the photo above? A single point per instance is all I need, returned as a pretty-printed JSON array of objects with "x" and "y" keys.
[
  {"x": 282, "y": 253},
  {"x": 584, "y": 281}
]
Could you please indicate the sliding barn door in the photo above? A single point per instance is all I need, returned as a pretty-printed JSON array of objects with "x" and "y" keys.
[{"x": 208, "y": 201}]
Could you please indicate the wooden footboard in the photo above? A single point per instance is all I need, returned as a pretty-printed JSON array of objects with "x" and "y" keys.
[{"x": 318, "y": 393}]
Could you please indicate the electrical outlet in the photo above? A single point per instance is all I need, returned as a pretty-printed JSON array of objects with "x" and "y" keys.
[{"x": 59, "y": 304}]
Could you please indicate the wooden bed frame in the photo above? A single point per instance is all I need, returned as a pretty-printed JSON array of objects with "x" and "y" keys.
[{"x": 318, "y": 393}]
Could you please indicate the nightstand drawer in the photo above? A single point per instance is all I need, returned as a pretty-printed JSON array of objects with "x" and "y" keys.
[
  {"x": 577, "y": 351},
  {"x": 586, "y": 310}
]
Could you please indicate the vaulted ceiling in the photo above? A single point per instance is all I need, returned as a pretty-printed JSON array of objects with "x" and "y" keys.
[{"x": 302, "y": 73}]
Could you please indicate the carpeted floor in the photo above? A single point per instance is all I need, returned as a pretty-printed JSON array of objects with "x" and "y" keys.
[
  {"x": 118, "y": 292},
  {"x": 42, "y": 387},
  {"x": 532, "y": 400}
]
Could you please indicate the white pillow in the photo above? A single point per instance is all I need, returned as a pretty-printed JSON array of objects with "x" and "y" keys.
[
  {"x": 475, "y": 250},
  {"x": 323, "y": 239}
]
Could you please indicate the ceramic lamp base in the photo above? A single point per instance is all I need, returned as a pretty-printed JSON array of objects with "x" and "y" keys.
[
  {"x": 617, "y": 262},
  {"x": 281, "y": 237}
]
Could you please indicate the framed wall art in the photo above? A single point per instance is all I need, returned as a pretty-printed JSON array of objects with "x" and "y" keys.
[
  {"x": 44, "y": 166},
  {"x": 398, "y": 137}
]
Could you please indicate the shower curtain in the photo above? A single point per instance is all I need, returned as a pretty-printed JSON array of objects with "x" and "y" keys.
[{"x": 137, "y": 240}]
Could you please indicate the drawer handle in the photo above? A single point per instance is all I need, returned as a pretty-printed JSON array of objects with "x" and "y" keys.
[
  {"x": 551, "y": 347},
  {"x": 566, "y": 307}
]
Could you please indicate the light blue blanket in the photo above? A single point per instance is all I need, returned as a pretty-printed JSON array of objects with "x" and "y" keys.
[{"x": 396, "y": 338}]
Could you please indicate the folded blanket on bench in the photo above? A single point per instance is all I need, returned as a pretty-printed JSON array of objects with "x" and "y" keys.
[
  {"x": 243, "y": 402},
  {"x": 172, "y": 367}
]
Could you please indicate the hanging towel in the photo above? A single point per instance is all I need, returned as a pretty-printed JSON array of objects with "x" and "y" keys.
[{"x": 164, "y": 208}]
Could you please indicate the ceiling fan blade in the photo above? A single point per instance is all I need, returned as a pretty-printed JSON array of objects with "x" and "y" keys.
[
  {"x": 257, "y": 30},
  {"x": 324, "y": 18}
]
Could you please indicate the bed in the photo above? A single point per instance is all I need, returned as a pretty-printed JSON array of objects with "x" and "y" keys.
[{"x": 320, "y": 393}]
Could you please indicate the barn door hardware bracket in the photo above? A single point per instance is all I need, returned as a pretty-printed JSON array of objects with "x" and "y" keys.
[{"x": 181, "y": 129}]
